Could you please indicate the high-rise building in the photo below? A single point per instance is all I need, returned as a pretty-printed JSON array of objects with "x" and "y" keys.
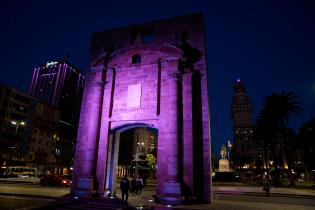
[
  {"x": 14, "y": 112},
  {"x": 28, "y": 131},
  {"x": 43, "y": 136},
  {"x": 241, "y": 112},
  {"x": 61, "y": 85},
  {"x": 54, "y": 81}
]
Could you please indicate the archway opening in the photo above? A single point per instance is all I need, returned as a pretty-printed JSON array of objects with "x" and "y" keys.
[
  {"x": 138, "y": 153},
  {"x": 133, "y": 153}
]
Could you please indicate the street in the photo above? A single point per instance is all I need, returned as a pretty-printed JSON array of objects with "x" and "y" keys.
[
  {"x": 14, "y": 195},
  {"x": 32, "y": 188}
]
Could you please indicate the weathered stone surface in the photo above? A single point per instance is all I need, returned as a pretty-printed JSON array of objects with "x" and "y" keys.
[{"x": 169, "y": 86}]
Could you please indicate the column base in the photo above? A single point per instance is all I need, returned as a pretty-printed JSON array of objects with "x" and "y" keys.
[
  {"x": 171, "y": 194},
  {"x": 85, "y": 187}
]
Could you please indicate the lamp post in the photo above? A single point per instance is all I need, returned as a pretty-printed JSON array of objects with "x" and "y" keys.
[
  {"x": 16, "y": 147},
  {"x": 21, "y": 123},
  {"x": 139, "y": 151},
  {"x": 229, "y": 151},
  {"x": 136, "y": 166},
  {"x": 270, "y": 164}
]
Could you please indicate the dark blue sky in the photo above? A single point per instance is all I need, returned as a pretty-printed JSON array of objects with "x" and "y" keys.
[{"x": 270, "y": 45}]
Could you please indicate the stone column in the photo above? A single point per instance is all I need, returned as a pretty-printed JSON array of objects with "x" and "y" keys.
[
  {"x": 168, "y": 152},
  {"x": 104, "y": 131},
  {"x": 173, "y": 129},
  {"x": 89, "y": 134},
  {"x": 187, "y": 131}
]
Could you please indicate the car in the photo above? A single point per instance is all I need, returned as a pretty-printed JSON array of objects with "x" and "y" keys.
[
  {"x": 23, "y": 176},
  {"x": 55, "y": 180}
]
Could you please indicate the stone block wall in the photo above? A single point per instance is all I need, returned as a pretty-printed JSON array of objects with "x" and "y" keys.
[{"x": 152, "y": 74}]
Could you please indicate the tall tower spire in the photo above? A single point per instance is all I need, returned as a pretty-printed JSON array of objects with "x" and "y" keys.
[{"x": 241, "y": 114}]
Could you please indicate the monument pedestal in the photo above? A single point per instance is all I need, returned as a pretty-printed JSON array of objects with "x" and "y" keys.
[
  {"x": 224, "y": 165},
  {"x": 225, "y": 174}
]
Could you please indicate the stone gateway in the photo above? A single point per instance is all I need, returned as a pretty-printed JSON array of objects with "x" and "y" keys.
[{"x": 148, "y": 75}]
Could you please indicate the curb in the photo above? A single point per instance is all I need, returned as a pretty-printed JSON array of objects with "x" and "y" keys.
[
  {"x": 30, "y": 196},
  {"x": 264, "y": 194}
]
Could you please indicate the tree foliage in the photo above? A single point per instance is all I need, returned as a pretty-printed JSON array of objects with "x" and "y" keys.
[
  {"x": 306, "y": 143},
  {"x": 273, "y": 119}
]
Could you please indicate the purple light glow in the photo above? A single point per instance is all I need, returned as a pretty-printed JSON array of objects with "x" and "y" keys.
[
  {"x": 140, "y": 97},
  {"x": 238, "y": 80}
]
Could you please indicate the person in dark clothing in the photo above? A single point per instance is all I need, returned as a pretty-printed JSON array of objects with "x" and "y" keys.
[
  {"x": 267, "y": 185},
  {"x": 133, "y": 187},
  {"x": 124, "y": 187},
  {"x": 139, "y": 185}
]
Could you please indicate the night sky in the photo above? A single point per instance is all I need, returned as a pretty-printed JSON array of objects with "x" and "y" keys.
[{"x": 269, "y": 45}]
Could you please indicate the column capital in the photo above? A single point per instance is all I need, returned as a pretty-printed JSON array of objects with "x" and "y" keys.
[
  {"x": 99, "y": 83},
  {"x": 176, "y": 75},
  {"x": 95, "y": 69}
]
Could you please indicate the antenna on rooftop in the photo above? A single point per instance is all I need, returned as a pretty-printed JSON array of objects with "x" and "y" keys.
[{"x": 67, "y": 56}]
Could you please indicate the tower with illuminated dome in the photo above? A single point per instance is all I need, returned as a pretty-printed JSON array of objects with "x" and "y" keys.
[{"x": 243, "y": 132}]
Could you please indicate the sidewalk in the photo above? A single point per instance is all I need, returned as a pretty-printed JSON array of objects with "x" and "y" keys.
[
  {"x": 146, "y": 201},
  {"x": 257, "y": 190}
]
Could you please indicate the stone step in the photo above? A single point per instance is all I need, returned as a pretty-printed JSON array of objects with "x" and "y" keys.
[
  {"x": 85, "y": 206},
  {"x": 108, "y": 204}
]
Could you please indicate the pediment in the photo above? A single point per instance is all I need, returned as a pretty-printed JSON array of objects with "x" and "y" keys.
[{"x": 150, "y": 54}]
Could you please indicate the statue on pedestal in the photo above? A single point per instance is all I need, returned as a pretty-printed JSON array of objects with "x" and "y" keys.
[
  {"x": 223, "y": 151},
  {"x": 223, "y": 162}
]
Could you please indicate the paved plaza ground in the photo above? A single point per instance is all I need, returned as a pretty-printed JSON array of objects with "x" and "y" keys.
[{"x": 28, "y": 194}]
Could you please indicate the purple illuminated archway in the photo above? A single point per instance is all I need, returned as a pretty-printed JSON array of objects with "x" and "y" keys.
[{"x": 166, "y": 90}]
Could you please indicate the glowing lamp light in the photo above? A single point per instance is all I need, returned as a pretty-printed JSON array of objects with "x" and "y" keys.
[
  {"x": 246, "y": 166},
  {"x": 51, "y": 63},
  {"x": 168, "y": 205},
  {"x": 16, "y": 123},
  {"x": 238, "y": 80}
]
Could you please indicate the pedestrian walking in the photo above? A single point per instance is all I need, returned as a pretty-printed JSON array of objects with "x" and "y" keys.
[
  {"x": 292, "y": 178},
  {"x": 124, "y": 187},
  {"x": 133, "y": 188},
  {"x": 267, "y": 185},
  {"x": 139, "y": 185}
]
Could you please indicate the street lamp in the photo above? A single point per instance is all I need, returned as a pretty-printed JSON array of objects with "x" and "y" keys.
[
  {"x": 139, "y": 151},
  {"x": 22, "y": 123}
]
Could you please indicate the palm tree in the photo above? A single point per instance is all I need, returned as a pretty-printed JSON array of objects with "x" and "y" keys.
[
  {"x": 273, "y": 119},
  {"x": 278, "y": 106}
]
